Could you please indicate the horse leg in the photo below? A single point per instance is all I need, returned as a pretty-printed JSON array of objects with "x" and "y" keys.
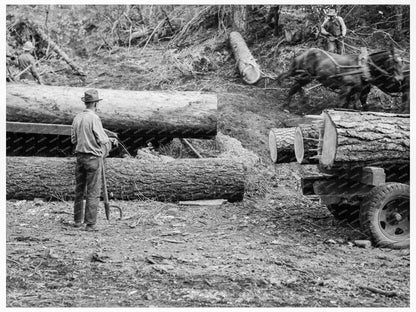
[
  {"x": 349, "y": 98},
  {"x": 345, "y": 97},
  {"x": 297, "y": 88}
]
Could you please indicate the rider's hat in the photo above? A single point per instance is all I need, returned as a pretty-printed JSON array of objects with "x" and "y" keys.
[{"x": 28, "y": 46}]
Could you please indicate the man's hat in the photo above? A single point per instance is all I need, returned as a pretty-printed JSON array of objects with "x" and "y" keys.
[
  {"x": 28, "y": 46},
  {"x": 90, "y": 96},
  {"x": 331, "y": 12}
]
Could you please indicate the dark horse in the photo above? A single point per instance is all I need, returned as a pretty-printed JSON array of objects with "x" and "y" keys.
[
  {"x": 343, "y": 73},
  {"x": 388, "y": 84}
]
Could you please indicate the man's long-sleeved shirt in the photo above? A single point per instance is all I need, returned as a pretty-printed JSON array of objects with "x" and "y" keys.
[
  {"x": 335, "y": 27},
  {"x": 87, "y": 133},
  {"x": 27, "y": 60}
]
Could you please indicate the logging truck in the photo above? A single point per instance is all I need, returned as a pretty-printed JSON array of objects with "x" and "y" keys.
[{"x": 358, "y": 164}]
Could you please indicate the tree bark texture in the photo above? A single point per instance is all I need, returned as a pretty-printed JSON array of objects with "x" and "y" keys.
[
  {"x": 307, "y": 142},
  {"x": 364, "y": 137},
  {"x": 281, "y": 142},
  {"x": 186, "y": 179},
  {"x": 137, "y": 116},
  {"x": 247, "y": 66},
  {"x": 240, "y": 14}
]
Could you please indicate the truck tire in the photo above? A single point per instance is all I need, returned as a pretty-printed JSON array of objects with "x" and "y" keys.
[{"x": 385, "y": 215}]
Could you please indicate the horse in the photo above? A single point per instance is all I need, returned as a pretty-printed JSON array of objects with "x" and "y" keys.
[
  {"x": 391, "y": 84},
  {"x": 341, "y": 72}
]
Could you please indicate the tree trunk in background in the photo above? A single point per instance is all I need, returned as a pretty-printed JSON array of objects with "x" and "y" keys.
[
  {"x": 240, "y": 18},
  {"x": 137, "y": 116},
  {"x": 246, "y": 63},
  {"x": 399, "y": 22},
  {"x": 274, "y": 14},
  {"x": 127, "y": 179}
]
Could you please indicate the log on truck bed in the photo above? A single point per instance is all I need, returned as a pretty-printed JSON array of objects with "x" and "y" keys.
[{"x": 350, "y": 139}]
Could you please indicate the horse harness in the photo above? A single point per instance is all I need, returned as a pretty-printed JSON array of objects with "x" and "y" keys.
[{"x": 364, "y": 63}]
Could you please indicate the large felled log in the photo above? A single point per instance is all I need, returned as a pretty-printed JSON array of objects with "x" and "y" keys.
[
  {"x": 365, "y": 138},
  {"x": 281, "y": 142},
  {"x": 186, "y": 179},
  {"x": 137, "y": 116},
  {"x": 246, "y": 63}
]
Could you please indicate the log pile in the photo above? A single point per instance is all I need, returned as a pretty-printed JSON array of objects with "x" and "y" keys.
[
  {"x": 348, "y": 138},
  {"x": 139, "y": 115},
  {"x": 284, "y": 144},
  {"x": 339, "y": 139}
]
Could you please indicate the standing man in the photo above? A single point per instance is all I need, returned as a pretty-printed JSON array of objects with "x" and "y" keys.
[
  {"x": 92, "y": 145},
  {"x": 27, "y": 61},
  {"x": 334, "y": 28}
]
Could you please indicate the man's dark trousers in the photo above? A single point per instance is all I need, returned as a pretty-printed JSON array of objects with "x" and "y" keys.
[{"x": 87, "y": 177}]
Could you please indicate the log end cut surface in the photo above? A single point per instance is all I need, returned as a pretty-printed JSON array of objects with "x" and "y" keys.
[
  {"x": 251, "y": 74},
  {"x": 281, "y": 144},
  {"x": 329, "y": 144},
  {"x": 272, "y": 146},
  {"x": 299, "y": 146}
]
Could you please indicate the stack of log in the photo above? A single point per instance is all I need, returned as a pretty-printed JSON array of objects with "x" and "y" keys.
[
  {"x": 284, "y": 143},
  {"x": 339, "y": 139},
  {"x": 137, "y": 117}
]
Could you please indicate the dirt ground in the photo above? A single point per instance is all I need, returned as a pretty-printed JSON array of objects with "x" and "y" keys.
[{"x": 276, "y": 248}]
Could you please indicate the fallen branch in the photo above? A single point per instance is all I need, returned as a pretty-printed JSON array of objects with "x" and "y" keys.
[
  {"x": 294, "y": 268},
  {"x": 186, "y": 142},
  {"x": 381, "y": 291},
  {"x": 151, "y": 35},
  {"x": 37, "y": 29}
]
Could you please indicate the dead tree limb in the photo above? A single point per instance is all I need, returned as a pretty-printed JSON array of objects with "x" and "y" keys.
[{"x": 36, "y": 28}]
